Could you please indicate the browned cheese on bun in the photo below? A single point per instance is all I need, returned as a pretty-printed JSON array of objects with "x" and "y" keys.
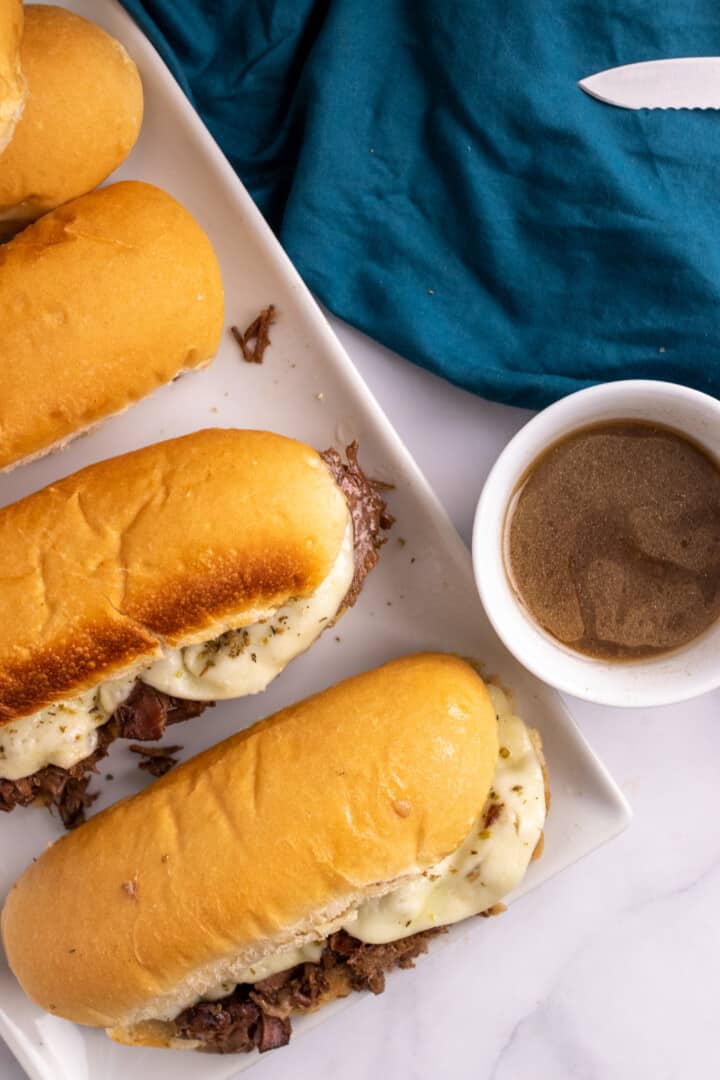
[
  {"x": 101, "y": 302},
  {"x": 12, "y": 81},
  {"x": 81, "y": 119},
  {"x": 270, "y": 839},
  {"x": 169, "y": 545}
]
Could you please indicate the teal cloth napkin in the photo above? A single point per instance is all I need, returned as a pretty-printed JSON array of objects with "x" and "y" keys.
[{"x": 441, "y": 182}]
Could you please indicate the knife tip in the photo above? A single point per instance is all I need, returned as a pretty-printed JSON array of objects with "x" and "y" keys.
[{"x": 591, "y": 86}]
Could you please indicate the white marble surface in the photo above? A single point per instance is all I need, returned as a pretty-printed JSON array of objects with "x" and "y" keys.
[{"x": 610, "y": 971}]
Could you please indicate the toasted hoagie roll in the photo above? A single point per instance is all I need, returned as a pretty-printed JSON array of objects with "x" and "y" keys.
[
  {"x": 290, "y": 864},
  {"x": 12, "y": 82},
  {"x": 139, "y": 590},
  {"x": 101, "y": 302},
  {"x": 82, "y": 115}
]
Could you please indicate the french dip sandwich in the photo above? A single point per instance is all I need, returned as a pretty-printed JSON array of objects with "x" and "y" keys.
[
  {"x": 289, "y": 865},
  {"x": 101, "y": 302},
  {"x": 81, "y": 119},
  {"x": 141, "y": 589},
  {"x": 12, "y": 83}
]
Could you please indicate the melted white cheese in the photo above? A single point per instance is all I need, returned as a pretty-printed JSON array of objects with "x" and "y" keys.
[
  {"x": 491, "y": 862},
  {"x": 270, "y": 965},
  {"x": 238, "y": 663},
  {"x": 245, "y": 661},
  {"x": 62, "y": 734}
]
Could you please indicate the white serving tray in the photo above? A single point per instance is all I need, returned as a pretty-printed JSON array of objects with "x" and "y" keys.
[{"x": 421, "y": 596}]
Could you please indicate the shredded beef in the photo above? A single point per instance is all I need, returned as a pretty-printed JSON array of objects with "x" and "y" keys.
[
  {"x": 233, "y": 1026},
  {"x": 144, "y": 715},
  {"x": 254, "y": 340},
  {"x": 296, "y": 990},
  {"x": 274, "y": 1032},
  {"x": 368, "y": 510},
  {"x": 258, "y": 1015},
  {"x": 366, "y": 964},
  {"x": 157, "y": 760}
]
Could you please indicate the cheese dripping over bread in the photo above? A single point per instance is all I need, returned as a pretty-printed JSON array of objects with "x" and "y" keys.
[
  {"x": 239, "y": 662},
  {"x": 488, "y": 865}
]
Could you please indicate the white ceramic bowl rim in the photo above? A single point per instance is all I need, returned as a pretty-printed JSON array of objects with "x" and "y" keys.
[{"x": 662, "y": 680}]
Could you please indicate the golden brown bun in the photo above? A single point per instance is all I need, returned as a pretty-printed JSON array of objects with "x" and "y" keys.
[
  {"x": 12, "y": 83},
  {"x": 158, "y": 1034},
  {"x": 266, "y": 840},
  {"x": 174, "y": 543},
  {"x": 81, "y": 119},
  {"x": 101, "y": 302}
]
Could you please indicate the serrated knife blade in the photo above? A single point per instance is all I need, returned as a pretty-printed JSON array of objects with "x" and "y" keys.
[{"x": 691, "y": 82}]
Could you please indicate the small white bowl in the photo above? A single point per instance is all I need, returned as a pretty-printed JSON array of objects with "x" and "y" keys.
[{"x": 677, "y": 676}]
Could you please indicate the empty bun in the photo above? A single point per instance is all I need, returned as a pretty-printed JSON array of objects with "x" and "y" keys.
[
  {"x": 266, "y": 840},
  {"x": 12, "y": 83},
  {"x": 101, "y": 302},
  {"x": 168, "y": 545},
  {"x": 82, "y": 115}
]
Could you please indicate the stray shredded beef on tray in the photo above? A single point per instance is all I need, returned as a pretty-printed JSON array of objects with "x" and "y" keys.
[
  {"x": 157, "y": 760},
  {"x": 254, "y": 340},
  {"x": 145, "y": 714},
  {"x": 257, "y": 1015}
]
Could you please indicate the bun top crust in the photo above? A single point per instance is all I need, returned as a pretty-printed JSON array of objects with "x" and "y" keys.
[
  {"x": 171, "y": 544},
  {"x": 12, "y": 83},
  {"x": 101, "y": 302},
  {"x": 257, "y": 840},
  {"x": 82, "y": 115}
]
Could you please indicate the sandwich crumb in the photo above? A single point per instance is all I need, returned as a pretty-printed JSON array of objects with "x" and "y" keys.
[
  {"x": 130, "y": 887},
  {"x": 402, "y": 807},
  {"x": 496, "y": 909},
  {"x": 254, "y": 340}
]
